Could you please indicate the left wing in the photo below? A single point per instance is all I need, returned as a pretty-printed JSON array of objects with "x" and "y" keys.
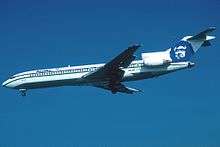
[
  {"x": 111, "y": 73},
  {"x": 117, "y": 88},
  {"x": 112, "y": 70}
]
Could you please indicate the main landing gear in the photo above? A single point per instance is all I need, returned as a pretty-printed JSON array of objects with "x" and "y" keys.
[
  {"x": 23, "y": 92},
  {"x": 114, "y": 91}
]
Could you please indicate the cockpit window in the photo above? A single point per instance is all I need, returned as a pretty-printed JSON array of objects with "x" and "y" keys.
[{"x": 12, "y": 77}]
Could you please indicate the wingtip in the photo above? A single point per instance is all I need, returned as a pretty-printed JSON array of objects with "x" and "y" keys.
[{"x": 136, "y": 46}]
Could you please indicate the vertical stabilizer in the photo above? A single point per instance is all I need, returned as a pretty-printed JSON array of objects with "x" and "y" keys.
[{"x": 189, "y": 45}]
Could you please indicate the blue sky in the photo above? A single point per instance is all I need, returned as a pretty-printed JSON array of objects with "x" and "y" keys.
[{"x": 179, "y": 109}]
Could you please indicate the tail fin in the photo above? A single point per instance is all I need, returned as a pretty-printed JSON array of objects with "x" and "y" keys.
[{"x": 189, "y": 45}]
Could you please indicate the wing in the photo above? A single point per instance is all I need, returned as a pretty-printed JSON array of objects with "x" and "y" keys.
[
  {"x": 117, "y": 88},
  {"x": 112, "y": 74},
  {"x": 111, "y": 70}
]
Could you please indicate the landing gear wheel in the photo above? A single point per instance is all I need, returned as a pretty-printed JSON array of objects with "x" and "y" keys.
[
  {"x": 114, "y": 92},
  {"x": 23, "y": 92}
]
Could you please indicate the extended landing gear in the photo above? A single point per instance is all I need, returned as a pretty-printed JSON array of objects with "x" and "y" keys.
[
  {"x": 113, "y": 91},
  {"x": 113, "y": 88},
  {"x": 23, "y": 92}
]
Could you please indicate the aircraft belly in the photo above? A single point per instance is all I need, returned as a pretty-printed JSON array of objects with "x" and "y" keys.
[{"x": 55, "y": 82}]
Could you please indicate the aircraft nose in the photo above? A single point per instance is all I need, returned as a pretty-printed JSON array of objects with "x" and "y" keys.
[{"x": 4, "y": 84}]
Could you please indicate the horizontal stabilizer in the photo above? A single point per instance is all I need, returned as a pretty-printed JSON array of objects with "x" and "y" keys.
[
  {"x": 210, "y": 37},
  {"x": 203, "y": 35}
]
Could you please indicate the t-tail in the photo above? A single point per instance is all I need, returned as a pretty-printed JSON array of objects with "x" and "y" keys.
[{"x": 189, "y": 45}]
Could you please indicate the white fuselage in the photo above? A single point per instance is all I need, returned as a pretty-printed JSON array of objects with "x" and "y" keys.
[
  {"x": 122, "y": 68},
  {"x": 73, "y": 75}
]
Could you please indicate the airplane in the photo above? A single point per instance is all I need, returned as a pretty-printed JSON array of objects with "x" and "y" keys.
[{"x": 122, "y": 68}]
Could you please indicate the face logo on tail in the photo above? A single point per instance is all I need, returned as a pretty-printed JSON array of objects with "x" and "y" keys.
[{"x": 180, "y": 51}]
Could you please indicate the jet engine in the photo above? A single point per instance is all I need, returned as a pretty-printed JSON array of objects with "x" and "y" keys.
[{"x": 154, "y": 59}]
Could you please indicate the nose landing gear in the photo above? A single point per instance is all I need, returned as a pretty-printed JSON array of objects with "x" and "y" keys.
[{"x": 23, "y": 92}]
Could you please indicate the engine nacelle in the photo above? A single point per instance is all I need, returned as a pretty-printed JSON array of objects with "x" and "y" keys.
[
  {"x": 155, "y": 62},
  {"x": 156, "y": 58}
]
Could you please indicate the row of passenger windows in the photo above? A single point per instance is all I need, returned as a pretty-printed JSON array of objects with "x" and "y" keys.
[
  {"x": 134, "y": 65},
  {"x": 48, "y": 73}
]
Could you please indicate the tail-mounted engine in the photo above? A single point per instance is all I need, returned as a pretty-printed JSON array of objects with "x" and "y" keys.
[{"x": 155, "y": 59}]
